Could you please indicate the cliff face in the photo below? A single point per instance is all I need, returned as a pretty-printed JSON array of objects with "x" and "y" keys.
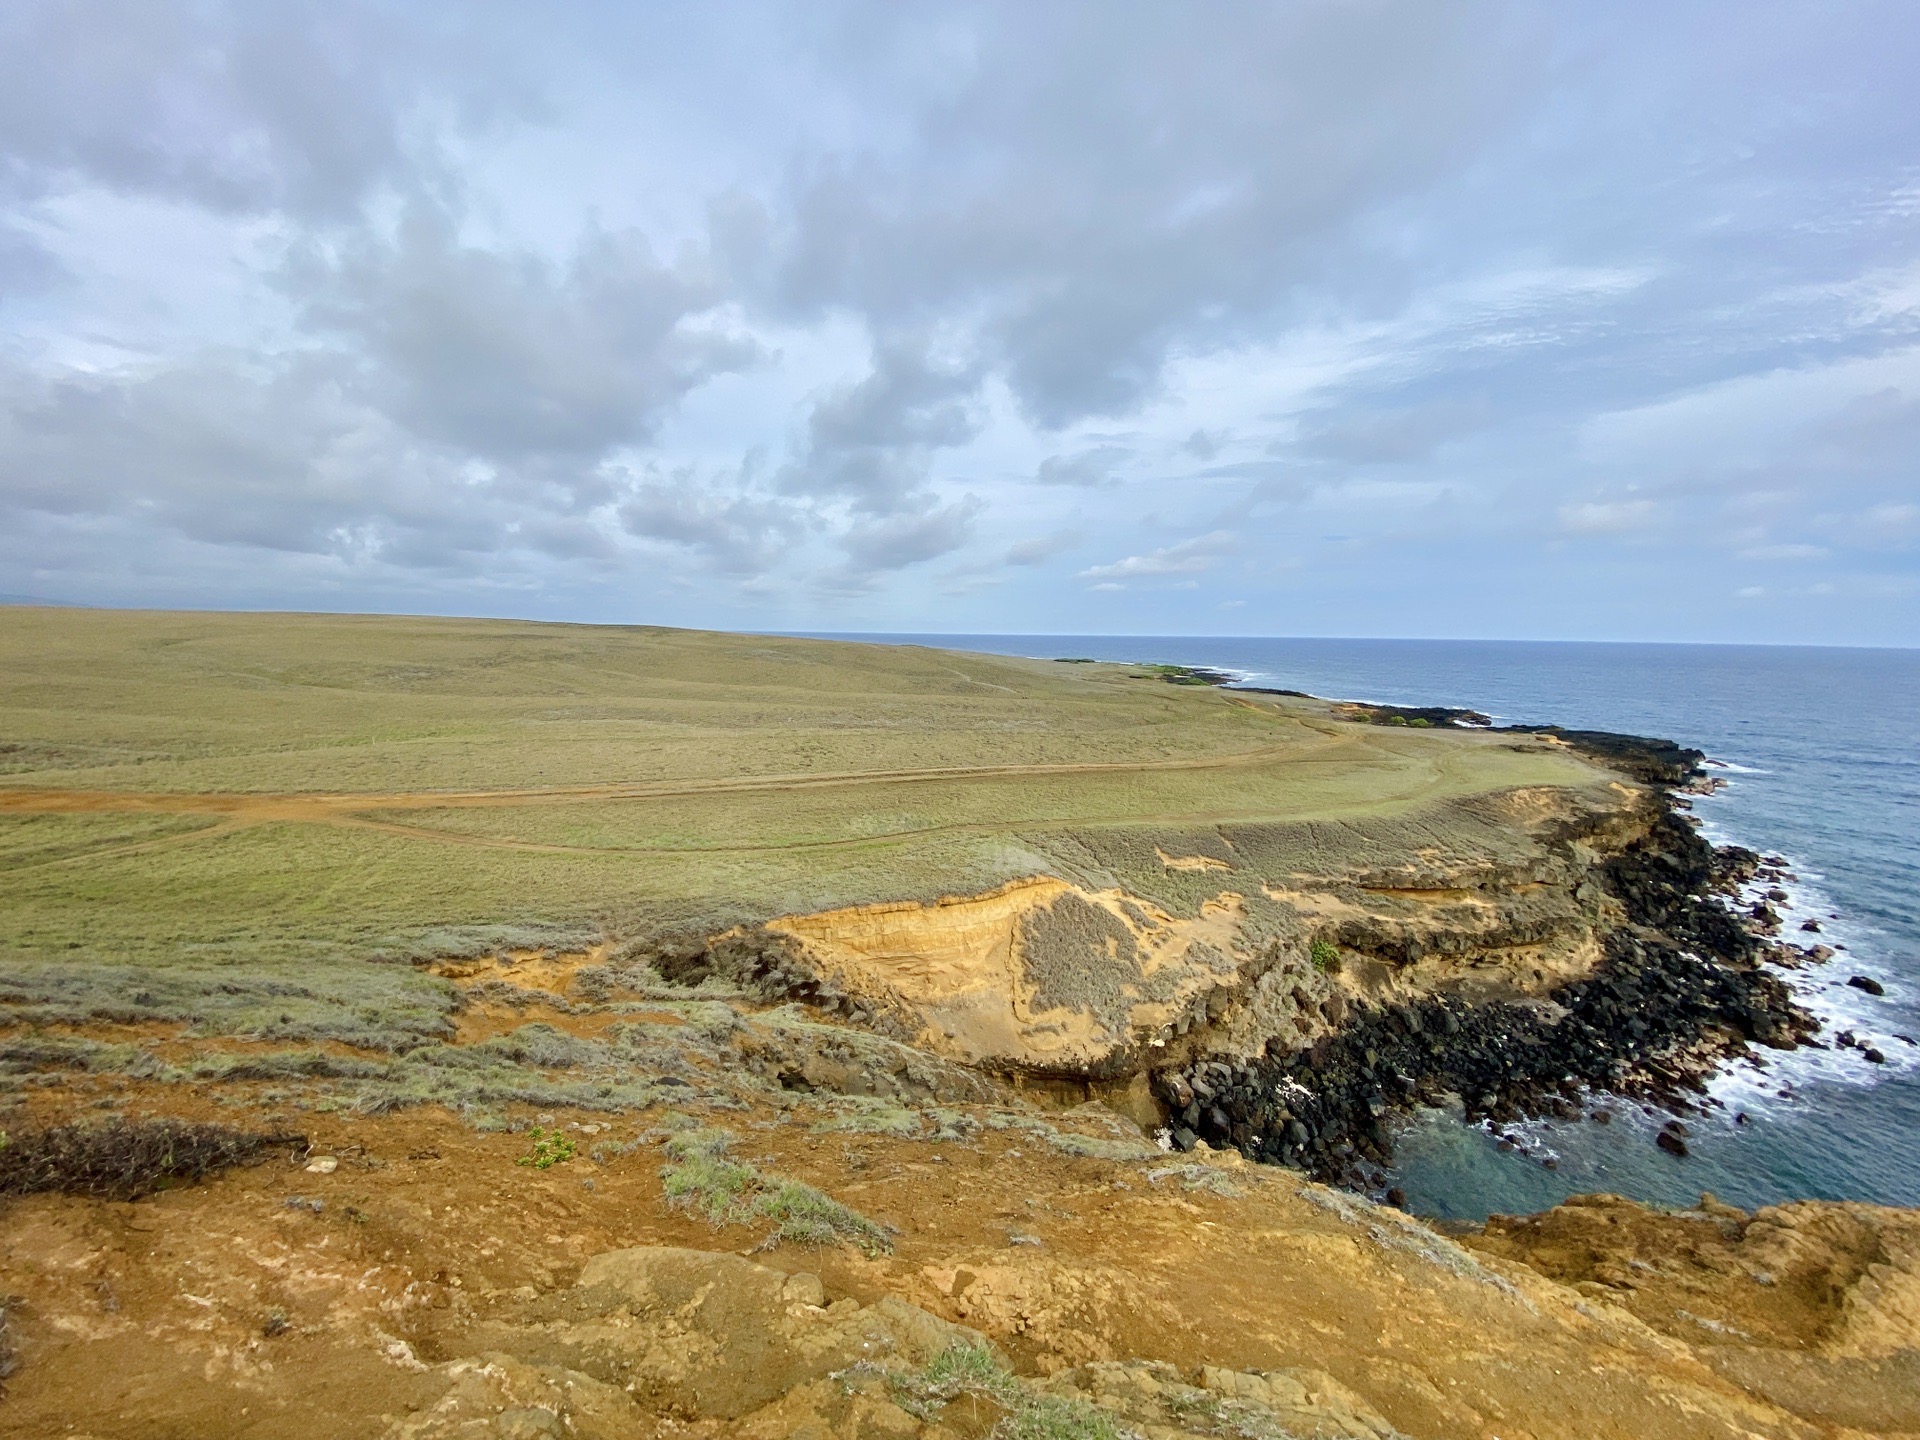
[
  {"x": 788, "y": 1179},
  {"x": 1815, "y": 1307},
  {"x": 1266, "y": 934},
  {"x": 1288, "y": 989}
]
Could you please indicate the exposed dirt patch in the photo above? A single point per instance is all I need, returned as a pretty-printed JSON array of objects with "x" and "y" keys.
[
  {"x": 427, "y": 1280},
  {"x": 1038, "y": 974},
  {"x": 1190, "y": 862}
]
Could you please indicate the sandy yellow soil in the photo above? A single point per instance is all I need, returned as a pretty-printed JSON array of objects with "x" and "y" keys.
[{"x": 281, "y": 1302}]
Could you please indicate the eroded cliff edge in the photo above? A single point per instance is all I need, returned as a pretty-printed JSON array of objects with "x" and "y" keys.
[
  {"x": 790, "y": 1179},
  {"x": 1282, "y": 988}
]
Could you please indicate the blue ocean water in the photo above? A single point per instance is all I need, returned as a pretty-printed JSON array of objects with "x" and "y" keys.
[{"x": 1821, "y": 752}]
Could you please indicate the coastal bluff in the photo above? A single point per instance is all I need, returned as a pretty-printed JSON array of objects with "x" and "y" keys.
[{"x": 420, "y": 1029}]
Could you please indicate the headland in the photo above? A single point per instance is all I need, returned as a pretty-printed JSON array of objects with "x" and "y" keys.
[{"x": 416, "y": 1017}]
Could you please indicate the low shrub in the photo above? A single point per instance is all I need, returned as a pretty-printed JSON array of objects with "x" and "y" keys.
[
  {"x": 125, "y": 1159},
  {"x": 703, "y": 1178},
  {"x": 549, "y": 1148},
  {"x": 803, "y": 1215},
  {"x": 974, "y": 1370}
]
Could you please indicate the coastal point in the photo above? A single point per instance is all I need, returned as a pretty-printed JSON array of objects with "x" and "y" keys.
[{"x": 427, "y": 1013}]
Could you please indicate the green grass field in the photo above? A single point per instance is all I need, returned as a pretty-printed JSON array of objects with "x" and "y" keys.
[{"x": 234, "y": 798}]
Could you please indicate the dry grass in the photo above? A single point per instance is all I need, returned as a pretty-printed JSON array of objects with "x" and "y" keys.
[
  {"x": 253, "y": 920},
  {"x": 125, "y": 1159},
  {"x": 702, "y": 1176}
]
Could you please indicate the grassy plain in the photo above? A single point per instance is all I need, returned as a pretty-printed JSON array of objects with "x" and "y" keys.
[{"x": 235, "y": 798}]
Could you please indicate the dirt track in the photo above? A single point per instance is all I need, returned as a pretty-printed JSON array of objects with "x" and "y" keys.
[{"x": 240, "y": 809}]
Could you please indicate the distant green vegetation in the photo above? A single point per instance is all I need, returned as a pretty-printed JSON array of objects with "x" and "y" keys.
[{"x": 251, "y": 807}]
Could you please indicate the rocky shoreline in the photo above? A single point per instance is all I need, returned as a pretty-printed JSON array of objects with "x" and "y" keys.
[
  {"x": 1682, "y": 979},
  {"x": 1683, "y": 988}
]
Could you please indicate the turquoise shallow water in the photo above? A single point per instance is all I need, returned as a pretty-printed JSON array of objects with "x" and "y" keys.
[{"x": 1821, "y": 752}]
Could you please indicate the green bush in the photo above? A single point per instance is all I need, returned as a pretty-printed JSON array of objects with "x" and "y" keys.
[
  {"x": 550, "y": 1148},
  {"x": 1325, "y": 956}
]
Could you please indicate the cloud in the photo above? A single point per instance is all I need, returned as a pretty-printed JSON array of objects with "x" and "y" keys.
[
  {"x": 300, "y": 107},
  {"x": 279, "y": 460},
  {"x": 309, "y": 302},
  {"x": 738, "y": 534},
  {"x": 442, "y": 403},
  {"x": 509, "y": 356},
  {"x": 1087, "y": 468},
  {"x": 1042, "y": 548},
  {"x": 1364, "y": 436},
  {"x": 1877, "y": 430},
  {"x": 1090, "y": 206},
  {"x": 893, "y": 542},
  {"x": 1904, "y": 518},
  {"x": 873, "y": 440},
  {"x": 1607, "y": 517},
  {"x": 1189, "y": 557}
]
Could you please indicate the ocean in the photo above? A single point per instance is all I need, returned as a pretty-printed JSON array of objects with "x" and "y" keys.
[{"x": 1820, "y": 749}]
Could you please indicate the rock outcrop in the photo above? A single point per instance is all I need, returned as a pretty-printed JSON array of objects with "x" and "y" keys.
[
  {"x": 1814, "y": 1306},
  {"x": 653, "y": 1338},
  {"x": 1287, "y": 990}
]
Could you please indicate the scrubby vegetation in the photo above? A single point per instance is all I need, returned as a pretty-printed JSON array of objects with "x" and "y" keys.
[
  {"x": 703, "y": 1176},
  {"x": 125, "y": 1159},
  {"x": 963, "y": 1371},
  {"x": 1055, "y": 941},
  {"x": 547, "y": 1149},
  {"x": 1121, "y": 1143},
  {"x": 535, "y": 1065}
]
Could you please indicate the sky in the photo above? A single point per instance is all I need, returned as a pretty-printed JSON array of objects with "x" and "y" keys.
[{"x": 1323, "y": 317}]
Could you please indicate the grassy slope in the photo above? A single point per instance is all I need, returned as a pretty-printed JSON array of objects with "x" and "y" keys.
[{"x": 401, "y": 710}]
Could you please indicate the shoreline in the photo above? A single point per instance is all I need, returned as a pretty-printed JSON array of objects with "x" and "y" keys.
[{"x": 1680, "y": 997}]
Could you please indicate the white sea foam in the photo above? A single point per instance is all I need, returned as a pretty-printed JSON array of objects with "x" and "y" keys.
[{"x": 1822, "y": 989}]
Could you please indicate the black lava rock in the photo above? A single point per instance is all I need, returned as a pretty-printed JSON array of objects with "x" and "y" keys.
[{"x": 1683, "y": 968}]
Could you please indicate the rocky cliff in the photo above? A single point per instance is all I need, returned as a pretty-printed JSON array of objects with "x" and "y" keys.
[{"x": 1281, "y": 991}]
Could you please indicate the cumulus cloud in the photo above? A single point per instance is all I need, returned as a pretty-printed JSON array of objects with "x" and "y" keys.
[
  {"x": 1091, "y": 467},
  {"x": 509, "y": 356},
  {"x": 1092, "y": 202},
  {"x": 301, "y": 107},
  {"x": 307, "y": 296},
  {"x": 1188, "y": 557},
  {"x": 739, "y": 533},
  {"x": 872, "y": 441},
  {"x": 893, "y": 542}
]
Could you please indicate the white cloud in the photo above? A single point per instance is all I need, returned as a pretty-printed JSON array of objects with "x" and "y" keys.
[
  {"x": 1607, "y": 517},
  {"x": 1042, "y": 548},
  {"x": 849, "y": 309},
  {"x": 1189, "y": 557}
]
